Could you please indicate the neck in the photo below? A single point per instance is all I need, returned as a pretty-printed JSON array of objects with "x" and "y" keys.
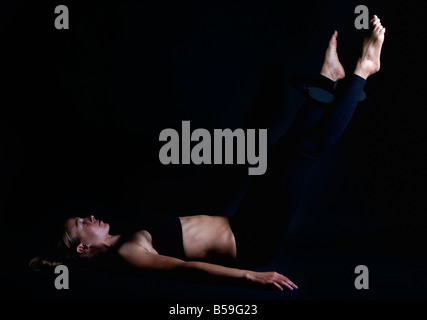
[
  {"x": 112, "y": 240},
  {"x": 109, "y": 242}
]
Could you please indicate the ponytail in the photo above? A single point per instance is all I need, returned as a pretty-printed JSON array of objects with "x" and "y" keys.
[
  {"x": 41, "y": 263},
  {"x": 62, "y": 250}
]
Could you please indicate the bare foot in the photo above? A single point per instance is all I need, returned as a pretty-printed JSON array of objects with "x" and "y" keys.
[
  {"x": 332, "y": 67},
  {"x": 369, "y": 62}
]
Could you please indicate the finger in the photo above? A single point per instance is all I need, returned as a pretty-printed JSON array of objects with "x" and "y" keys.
[
  {"x": 287, "y": 285},
  {"x": 286, "y": 279},
  {"x": 278, "y": 286},
  {"x": 292, "y": 284}
]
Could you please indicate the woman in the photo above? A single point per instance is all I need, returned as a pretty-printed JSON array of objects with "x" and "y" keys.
[{"x": 218, "y": 247}]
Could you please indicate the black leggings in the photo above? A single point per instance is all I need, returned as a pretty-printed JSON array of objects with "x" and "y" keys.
[{"x": 267, "y": 207}]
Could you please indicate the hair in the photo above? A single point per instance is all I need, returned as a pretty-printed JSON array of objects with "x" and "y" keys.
[{"x": 62, "y": 251}]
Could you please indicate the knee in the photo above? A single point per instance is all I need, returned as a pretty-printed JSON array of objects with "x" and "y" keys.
[{"x": 308, "y": 157}]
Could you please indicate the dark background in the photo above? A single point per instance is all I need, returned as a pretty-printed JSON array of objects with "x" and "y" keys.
[{"x": 81, "y": 111}]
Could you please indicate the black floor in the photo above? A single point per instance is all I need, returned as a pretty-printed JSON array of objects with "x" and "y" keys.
[{"x": 322, "y": 272}]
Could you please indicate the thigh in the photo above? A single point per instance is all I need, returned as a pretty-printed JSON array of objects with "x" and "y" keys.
[{"x": 267, "y": 211}]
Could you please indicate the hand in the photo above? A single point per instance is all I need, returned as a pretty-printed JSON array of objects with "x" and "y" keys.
[{"x": 271, "y": 278}]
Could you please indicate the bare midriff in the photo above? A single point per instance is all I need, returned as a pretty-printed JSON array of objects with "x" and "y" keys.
[{"x": 207, "y": 237}]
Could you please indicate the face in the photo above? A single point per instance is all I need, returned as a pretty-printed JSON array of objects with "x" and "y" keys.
[{"x": 88, "y": 230}]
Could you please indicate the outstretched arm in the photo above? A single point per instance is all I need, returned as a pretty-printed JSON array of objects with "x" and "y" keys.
[{"x": 140, "y": 259}]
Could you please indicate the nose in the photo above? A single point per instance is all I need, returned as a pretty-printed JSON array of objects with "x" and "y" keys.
[{"x": 92, "y": 218}]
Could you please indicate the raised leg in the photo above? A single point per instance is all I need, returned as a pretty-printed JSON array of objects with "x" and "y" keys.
[{"x": 268, "y": 206}]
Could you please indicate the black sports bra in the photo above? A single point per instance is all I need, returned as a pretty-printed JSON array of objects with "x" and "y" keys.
[{"x": 165, "y": 230}]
